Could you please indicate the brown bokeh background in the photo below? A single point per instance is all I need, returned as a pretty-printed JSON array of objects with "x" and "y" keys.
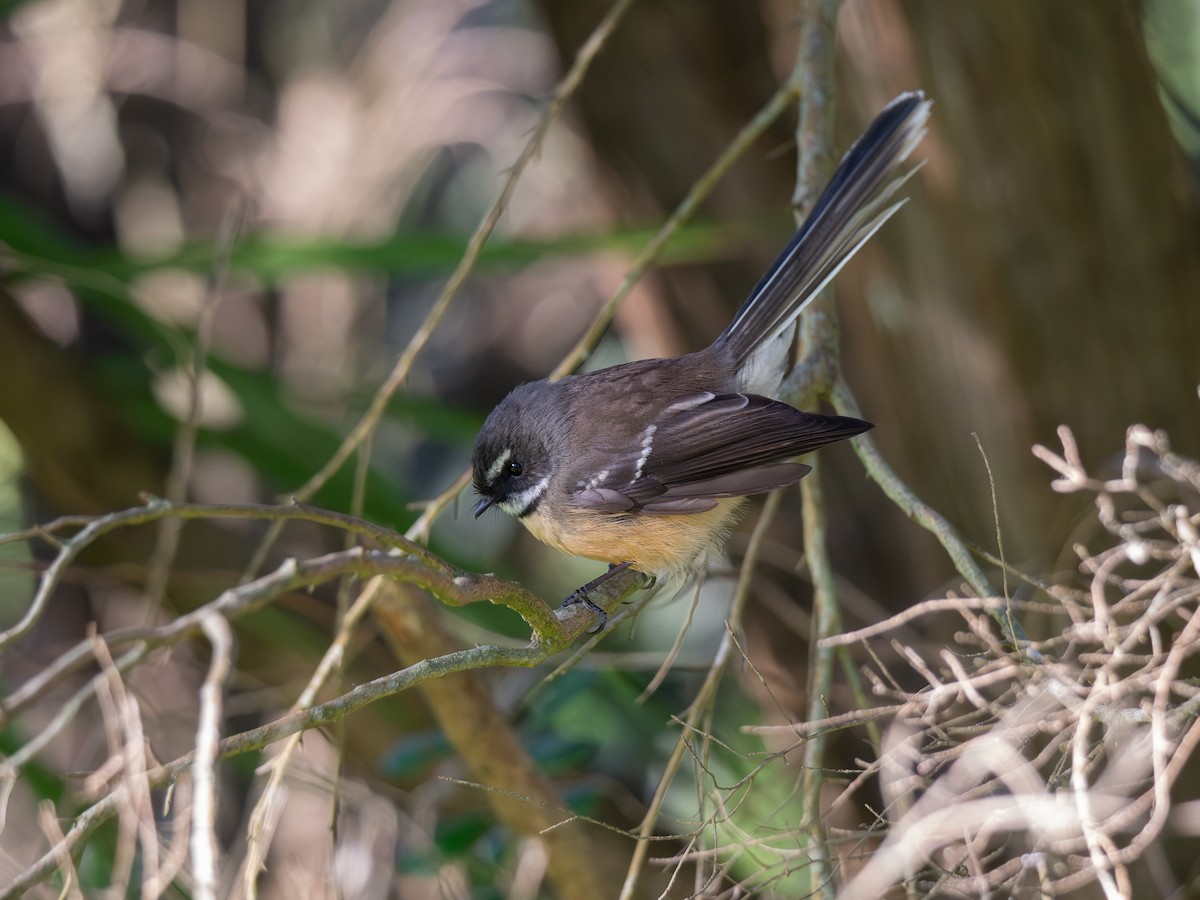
[{"x": 1045, "y": 271}]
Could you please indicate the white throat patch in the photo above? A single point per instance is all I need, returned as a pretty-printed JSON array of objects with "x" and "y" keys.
[{"x": 520, "y": 503}]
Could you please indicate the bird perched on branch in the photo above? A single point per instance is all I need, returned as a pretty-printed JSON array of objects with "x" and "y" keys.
[{"x": 647, "y": 464}]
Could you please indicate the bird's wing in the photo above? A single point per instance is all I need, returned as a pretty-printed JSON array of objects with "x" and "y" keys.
[{"x": 708, "y": 446}]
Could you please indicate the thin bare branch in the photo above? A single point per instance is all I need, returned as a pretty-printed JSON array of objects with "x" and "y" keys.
[
  {"x": 205, "y": 856},
  {"x": 399, "y": 374}
]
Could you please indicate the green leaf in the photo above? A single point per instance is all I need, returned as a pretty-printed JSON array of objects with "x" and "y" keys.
[
  {"x": 414, "y": 754},
  {"x": 40, "y": 248},
  {"x": 457, "y": 834}
]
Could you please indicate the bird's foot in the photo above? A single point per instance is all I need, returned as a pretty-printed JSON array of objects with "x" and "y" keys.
[{"x": 582, "y": 595}]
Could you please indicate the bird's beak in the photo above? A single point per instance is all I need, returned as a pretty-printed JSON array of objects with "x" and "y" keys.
[{"x": 483, "y": 504}]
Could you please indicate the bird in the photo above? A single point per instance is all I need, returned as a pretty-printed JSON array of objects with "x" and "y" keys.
[{"x": 647, "y": 464}]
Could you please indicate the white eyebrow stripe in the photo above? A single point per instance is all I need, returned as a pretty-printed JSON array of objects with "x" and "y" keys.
[
  {"x": 520, "y": 503},
  {"x": 498, "y": 465}
]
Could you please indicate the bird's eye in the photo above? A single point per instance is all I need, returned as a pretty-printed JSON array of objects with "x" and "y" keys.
[{"x": 515, "y": 468}]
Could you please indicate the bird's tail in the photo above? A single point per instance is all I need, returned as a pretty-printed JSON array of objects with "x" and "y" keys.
[{"x": 853, "y": 206}]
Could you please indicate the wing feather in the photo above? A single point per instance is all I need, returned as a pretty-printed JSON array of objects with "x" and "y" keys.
[{"x": 712, "y": 446}]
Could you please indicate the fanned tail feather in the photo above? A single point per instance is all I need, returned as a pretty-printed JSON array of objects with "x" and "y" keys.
[{"x": 853, "y": 206}]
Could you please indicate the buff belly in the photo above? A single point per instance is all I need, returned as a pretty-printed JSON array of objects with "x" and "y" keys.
[{"x": 659, "y": 545}]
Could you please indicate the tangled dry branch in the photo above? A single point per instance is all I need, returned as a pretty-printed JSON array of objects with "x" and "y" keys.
[{"x": 1060, "y": 765}]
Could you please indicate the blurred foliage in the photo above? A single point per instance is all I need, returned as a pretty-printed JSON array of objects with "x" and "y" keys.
[
  {"x": 1043, "y": 271},
  {"x": 41, "y": 249}
]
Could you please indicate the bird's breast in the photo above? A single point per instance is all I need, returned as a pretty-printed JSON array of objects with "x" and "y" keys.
[{"x": 659, "y": 545}]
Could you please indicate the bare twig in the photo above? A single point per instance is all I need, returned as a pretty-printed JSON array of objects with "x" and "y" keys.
[
  {"x": 48, "y": 819},
  {"x": 459, "y": 590},
  {"x": 701, "y": 703},
  {"x": 399, "y": 374},
  {"x": 923, "y": 514},
  {"x": 270, "y": 803},
  {"x": 127, "y": 762},
  {"x": 966, "y": 763},
  {"x": 779, "y": 104},
  {"x": 205, "y": 869},
  {"x": 157, "y": 509},
  {"x": 184, "y": 450}
]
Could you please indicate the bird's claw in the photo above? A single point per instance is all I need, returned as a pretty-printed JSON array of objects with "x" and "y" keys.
[{"x": 580, "y": 596}]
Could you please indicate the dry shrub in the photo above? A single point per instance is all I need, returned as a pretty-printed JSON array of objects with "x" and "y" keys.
[{"x": 1062, "y": 765}]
